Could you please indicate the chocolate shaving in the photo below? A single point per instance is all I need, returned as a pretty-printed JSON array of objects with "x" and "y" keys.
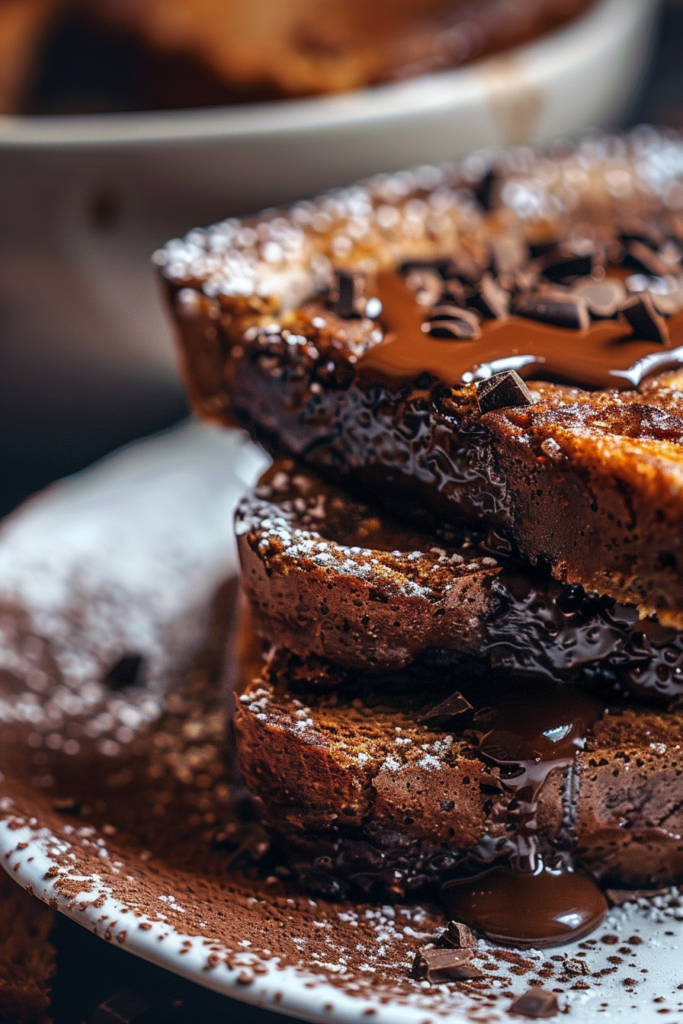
[
  {"x": 124, "y": 1007},
  {"x": 617, "y": 897},
  {"x": 491, "y": 301},
  {"x": 439, "y": 965},
  {"x": 502, "y": 391},
  {"x": 347, "y": 294},
  {"x": 451, "y": 322},
  {"x": 447, "y": 712},
  {"x": 646, "y": 322},
  {"x": 565, "y": 262},
  {"x": 642, "y": 257},
  {"x": 634, "y": 229},
  {"x": 536, "y": 1003},
  {"x": 570, "y": 311}
]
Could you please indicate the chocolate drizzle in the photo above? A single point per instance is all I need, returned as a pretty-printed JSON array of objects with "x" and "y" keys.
[
  {"x": 609, "y": 353},
  {"x": 532, "y": 901}
]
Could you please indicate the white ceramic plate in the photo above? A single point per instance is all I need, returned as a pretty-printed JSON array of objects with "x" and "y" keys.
[
  {"x": 85, "y": 200},
  {"x": 110, "y": 799},
  {"x": 34, "y": 848}
]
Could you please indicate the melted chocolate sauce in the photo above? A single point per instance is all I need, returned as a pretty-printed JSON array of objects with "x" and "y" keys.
[
  {"x": 605, "y": 355},
  {"x": 544, "y": 908},
  {"x": 530, "y": 902}
]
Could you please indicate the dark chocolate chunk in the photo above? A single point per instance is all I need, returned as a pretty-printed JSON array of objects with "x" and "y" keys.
[
  {"x": 646, "y": 322},
  {"x": 569, "y": 311},
  {"x": 491, "y": 300},
  {"x": 536, "y": 1003},
  {"x": 604, "y": 299},
  {"x": 347, "y": 294},
  {"x": 439, "y": 965},
  {"x": 502, "y": 391},
  {"x": 458, "y": 936},
  {"x": 485, "y": 189},
  {"x": 447, "y": 712},
  {"x": 124, "y": 1007},
  {"x": 451, "y": 322},
  {"x": 617, "y": 897},
  {"x": 567, "y": 261},
  {"x": 126, "y": 671}
]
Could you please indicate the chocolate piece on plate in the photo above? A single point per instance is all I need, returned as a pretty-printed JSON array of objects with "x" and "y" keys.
[
  {"x": 536, "y": 1003},
  {"x": 439, "y": 965},
  {"x": 618, "y": 897},
  {"x": 458, "y": 935}
]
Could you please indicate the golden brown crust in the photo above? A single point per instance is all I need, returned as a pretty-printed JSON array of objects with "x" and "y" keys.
[{"x": 590, "y": 481}]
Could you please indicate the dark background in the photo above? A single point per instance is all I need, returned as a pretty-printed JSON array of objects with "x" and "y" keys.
[{"x": 89, "y": 970}]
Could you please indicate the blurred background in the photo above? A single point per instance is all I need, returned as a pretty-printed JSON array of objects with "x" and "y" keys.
[
  {"x": 127, "y": 122},
  {"x": 124, "y": 123}
]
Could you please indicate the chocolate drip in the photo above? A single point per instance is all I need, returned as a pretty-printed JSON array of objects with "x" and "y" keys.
[
  {"x": 530, "y": 902},
  {"x": 607, "y": 354},
  {"x": 542, "y": 909}
]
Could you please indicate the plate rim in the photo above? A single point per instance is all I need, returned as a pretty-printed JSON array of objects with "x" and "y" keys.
[{"x": 282, "y": 990}]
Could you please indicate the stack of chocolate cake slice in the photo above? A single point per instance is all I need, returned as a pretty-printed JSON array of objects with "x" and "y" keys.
[{"x": 464, "y": 568}]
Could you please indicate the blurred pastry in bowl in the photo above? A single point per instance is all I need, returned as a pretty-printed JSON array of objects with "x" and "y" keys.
[
  {"x": 101, "y": 55},
  {"x": 23, "y": 24},
  {"x": 317, "y": 46}
]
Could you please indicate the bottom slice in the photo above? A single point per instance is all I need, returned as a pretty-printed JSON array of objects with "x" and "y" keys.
[{"x": 369, "y": 794}]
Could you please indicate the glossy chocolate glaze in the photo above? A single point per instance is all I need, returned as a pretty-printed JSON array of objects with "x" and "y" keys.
[
  {"x": 607, "y": 354},
  {"x": 530, "y": 902}
]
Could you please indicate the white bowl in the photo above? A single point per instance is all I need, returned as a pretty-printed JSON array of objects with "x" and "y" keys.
[{"x": 85, "y": 200}]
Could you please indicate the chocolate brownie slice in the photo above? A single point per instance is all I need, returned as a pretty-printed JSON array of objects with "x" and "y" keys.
[
  {"x": 329, "y": 575},
  {"x": 366, "y": 790},
  {"x": 355, "y": 331}
]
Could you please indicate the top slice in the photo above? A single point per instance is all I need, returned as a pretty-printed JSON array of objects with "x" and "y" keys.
[{"x": 365, "y": 331}]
